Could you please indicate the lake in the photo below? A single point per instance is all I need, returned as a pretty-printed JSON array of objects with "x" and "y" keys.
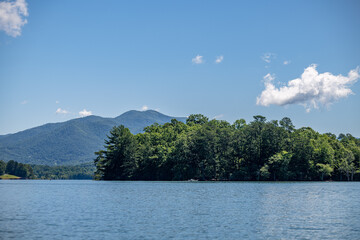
[{"x": 66, "y": 209}]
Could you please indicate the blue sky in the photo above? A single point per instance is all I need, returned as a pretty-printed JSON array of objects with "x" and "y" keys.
[{"x": 59, "y": 58}]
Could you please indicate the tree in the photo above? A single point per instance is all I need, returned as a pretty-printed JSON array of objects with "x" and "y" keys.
[
  {"x": 202, "y": 153},
  {"x": 240, "y": 123},
  {"x": 196, "y": 119},
  {"x": 11, "y": 167},
  {"x": 18, "y": 169},
  {"x": 278, "y": 165},
  {"x": 264, "y": 172},
  {"x": 325, "y": 170},
  {"x": 346, "y": 164},
  {"x": 23, "y": 170},
  {"x": 2, "y": 167},
  {"x": 302, "y": 150},
  {"x": 259, "y": 118},
  {"x": 255, "y": 143},
  {"x": 287, "y": 124},
  {"x": 352, "y": 144},
  {"x": 117, "y": 162},
  {"x": 184, "y": 168}
]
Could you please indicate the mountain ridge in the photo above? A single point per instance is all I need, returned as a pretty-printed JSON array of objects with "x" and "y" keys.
[{"x": 73, "y": 141}]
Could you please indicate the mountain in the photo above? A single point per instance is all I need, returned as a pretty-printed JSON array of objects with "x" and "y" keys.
[{"x": 74, "y": 141}]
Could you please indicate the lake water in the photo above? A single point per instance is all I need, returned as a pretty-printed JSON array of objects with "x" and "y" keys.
[{"x": 40, "y": 209}]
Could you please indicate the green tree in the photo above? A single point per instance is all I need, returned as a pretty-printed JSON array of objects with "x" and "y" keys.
[
  {"x": 2, "y": 167},
  {"x": 19, "y": 169},
  {"x": 239, "y": 124},
  {"x": 346, "y": 164},
  {"x": 11, "y": 167},
  {"x": 352, "y": 144},
  {"x": 184, "y": 167},
  {"x": 197, "y": 119},
  {"x": 255, "y": 143},
  {"x": 287, "y": 124},
  {"x": 202, "y": 153},
  {"x": 325, "y": 170},
  {"x": 117, "y": 162},
  {"x": 264, "y": 172},
  {"x": 279, "y": 164},
  {"x": 303, "y": 150},
  {"x": 322, "y": 158}
]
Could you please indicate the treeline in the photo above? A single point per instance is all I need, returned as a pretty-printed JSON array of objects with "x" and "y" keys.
[
  {"x": 216, "y": 150},
  {"x": 17, "y": 169},
  {"x": 27, "y": 171},
  {"x": 83, "y": 171}
]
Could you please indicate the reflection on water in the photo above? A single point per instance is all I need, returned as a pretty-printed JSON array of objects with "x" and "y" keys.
[{"x": 178, "y": 210}]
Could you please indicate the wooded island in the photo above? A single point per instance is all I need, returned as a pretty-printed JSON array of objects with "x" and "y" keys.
[{"x": 216, "y": 150}]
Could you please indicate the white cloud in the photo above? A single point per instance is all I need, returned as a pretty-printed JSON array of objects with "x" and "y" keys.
[
  {"x": 144, "y": 108},
  {"x": 12, "y": 16},
  {"x": 218, "y": 116},
  {"x": 268, "y": 78},
  {"x": 24, "y": 102},
  {"x": 219, "y": 59},
  {"x": 198, "y": 59},
  {"x": 61, "y": 111},
  {"x": 57, "y": 102},
  {"x": 85, "y": 113},
  {"x": 310, "y": 90},
  {"x": 267, "y": 57},
  {"x": 287, "y": 62}
]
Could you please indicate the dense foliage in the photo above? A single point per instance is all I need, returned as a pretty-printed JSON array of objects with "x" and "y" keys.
[
  {"x": 17, "y": 169},
  {"x": 83, "y": 171},
  {"x": 216, "y": 150}
]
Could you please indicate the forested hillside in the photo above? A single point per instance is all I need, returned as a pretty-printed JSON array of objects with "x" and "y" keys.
[
  {"x": 216, "y": 150},
  {"x": 72, "y": 142}
]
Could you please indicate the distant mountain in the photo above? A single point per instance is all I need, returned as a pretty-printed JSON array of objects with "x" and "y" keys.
[{"x": 74, "y": 141}]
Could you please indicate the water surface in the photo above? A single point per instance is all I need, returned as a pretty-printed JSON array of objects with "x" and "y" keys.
[{"x": 31, "y": 209}]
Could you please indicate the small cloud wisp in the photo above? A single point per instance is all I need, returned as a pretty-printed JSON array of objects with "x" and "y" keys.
[
  {"x": 287, "y": 62},
  {"x": 61, "y": 111},
  {"x": 267, "y": 57},
  {"x": 219, "y": 59},
  {"x": 218, "y": 116},
  {"x": 197, "y": 60},
  {"x": 85, "y": 113}
]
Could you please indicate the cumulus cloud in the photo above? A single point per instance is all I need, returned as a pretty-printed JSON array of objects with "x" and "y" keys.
[
  {"x": 12, "y": 16},
  {"x": 61, "y": 111},
  {"x": 144, "y": 108},
  {"x": 85, "y": 113},
  {"x": 198, "y": 59},
  {"x": 310, "y": 90},
  {"x": 219, "y": 59},
  {"x": 268, "y": 57}
]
